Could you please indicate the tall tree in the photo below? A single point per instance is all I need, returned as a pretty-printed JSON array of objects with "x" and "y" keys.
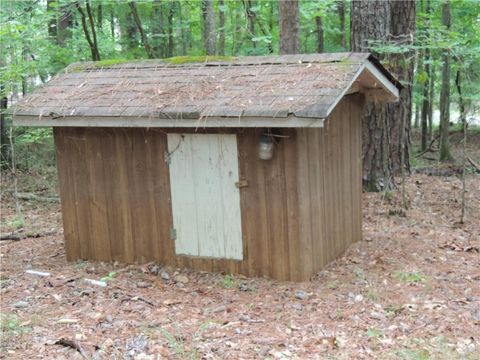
[
  {"x": 402, "y": 34},
  {"x": 386, "y": 127},
  {"x": 139, "y": 25},
  {"x": 209, "y": 26},
  {"x": 341, "y": 16},
  {"x": 320, "y": 39},
  {"x": 221, "y": 24},
  {"x": 370, "y": 20},
  {"x": 128, "y": 31},
  {"x": 289, "y": 27},
  {"x": 426, "y": 90},
  {"x": 65, "y": 24},
  {"x": 158, "y": 29},
  {"x": 92, "y": 41},
  {"x": 445, "y": 154},
  {"x": 250, "y": 14}
]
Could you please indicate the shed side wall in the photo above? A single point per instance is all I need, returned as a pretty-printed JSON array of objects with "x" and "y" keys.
[
  {"x": 330, "y": 184},
  {"x": 115, "y": 191}
]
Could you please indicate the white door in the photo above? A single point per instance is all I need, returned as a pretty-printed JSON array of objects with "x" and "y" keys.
[{"x": 205, "y": 200}]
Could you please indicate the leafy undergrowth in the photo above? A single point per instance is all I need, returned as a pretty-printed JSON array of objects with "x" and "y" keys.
[{"x": 410, "y": 290}]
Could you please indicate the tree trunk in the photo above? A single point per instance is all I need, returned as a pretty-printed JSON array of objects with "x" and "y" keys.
[
  {"x": 320, "y": 41},
  {"x": 65, "y": 24},
  {"x": 370, "y": 20},
  {"x": 52, "y": 19},
  {"x": 289, "y": 27},
  {"x": 416, "y": 121},
  {"x": 402, "y": 31},
  {"x": 143, "y": 36},
  {"x": 386, "y": 127},
  {"x": 112, "y": 23},
  {"x": 183, "y": 32},
  {"x": 92, "y": 26},
  {"x": 208, "y": 26},
  {"x": 158, "y": 29},
  {"x": 341, "y": 15},
  {"x": 4, "y": 153},
  {"x": 425, "y": 92},
  {"x": 431, "y": 96},
  {"x": 461, "y": 101},
  {"x": 171, "y": 42},
  {"x": 251, "y": 21},
  {"x": 221, "y": 22},
  {"x": 445, "y": 154},
  {"x": 91, "y": 43},
  {"x": 100, "y": 16},
  {"x": 128, "y": 31}
]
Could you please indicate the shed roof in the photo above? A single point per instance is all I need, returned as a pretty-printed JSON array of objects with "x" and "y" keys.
[{"x": 273, "y": 91}]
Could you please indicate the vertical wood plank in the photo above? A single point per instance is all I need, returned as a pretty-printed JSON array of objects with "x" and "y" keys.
[{"x": 67, "y": 195}]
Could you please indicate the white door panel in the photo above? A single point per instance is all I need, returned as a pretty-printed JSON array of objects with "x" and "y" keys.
[{"x": 205, "y": 200}]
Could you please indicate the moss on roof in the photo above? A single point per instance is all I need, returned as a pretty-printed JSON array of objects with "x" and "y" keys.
[{"x": 176, "y": 60}]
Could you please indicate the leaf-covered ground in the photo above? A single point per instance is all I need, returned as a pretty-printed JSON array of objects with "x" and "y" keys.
[{"x": 410, "y": 290}]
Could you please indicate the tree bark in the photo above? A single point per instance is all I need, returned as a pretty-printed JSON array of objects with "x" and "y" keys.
[
  {"x": 139, "y": 25},
  {"x": 92, "y": 26},
  {"x": 158, "y": 29},
  {"x": 171, "y": 42},
  {"x": 251, "y": 21},
  {"x": 425, "y": 92},
  {"x": 416, "y": 121},
  {"x": 208, "y": 26},
  {"x": 4, "y": 153},
  {"x": 402, "y": 32},
  {"x": 431, "y": 96},
  {"x": 128, "y": 31},
  {"x": 385, "y": 127},
  {"x": 112, "y": 23},
  {"x": 341, "y": 15},
  {"x": 100, "y": 16},
  {"x": 289, "y": 27},
  {"x": 65, "y": 24},
  {"x": 370, "y": 20},
  {"x": 221, "y": 23},
  {"x": 445, "y": 154},
  {"x": 91, "y": 44},
  {"x": 320, "y": 41}
]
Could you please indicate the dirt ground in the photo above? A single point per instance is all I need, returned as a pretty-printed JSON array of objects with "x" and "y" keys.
[{"x": 409, "y": 290}]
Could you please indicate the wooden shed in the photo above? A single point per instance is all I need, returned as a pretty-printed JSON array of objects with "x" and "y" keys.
[{"x": 250, "y": 166}]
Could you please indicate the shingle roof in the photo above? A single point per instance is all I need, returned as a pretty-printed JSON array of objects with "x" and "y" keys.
[{"x": 278, "y": 87}]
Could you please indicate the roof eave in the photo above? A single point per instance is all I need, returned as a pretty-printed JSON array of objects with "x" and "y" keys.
[{"x": 291, "y": 121}]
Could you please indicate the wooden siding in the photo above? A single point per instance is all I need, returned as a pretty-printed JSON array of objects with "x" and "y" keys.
[{"x": 300, "y": 210}]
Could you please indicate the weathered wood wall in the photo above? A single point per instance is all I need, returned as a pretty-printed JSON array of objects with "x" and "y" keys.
[{"x": 300, "y": 210}]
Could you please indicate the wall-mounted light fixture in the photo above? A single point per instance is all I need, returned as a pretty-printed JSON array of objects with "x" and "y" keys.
[{"x": 265, "y": 149}]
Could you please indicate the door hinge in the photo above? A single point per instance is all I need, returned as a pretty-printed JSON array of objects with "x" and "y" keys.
[{"x": 173, "y": 233}]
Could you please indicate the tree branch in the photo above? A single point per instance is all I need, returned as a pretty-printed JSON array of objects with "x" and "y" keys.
[
  {"x": 138, "y": 22},
  {"x": 86, "y": 32}
]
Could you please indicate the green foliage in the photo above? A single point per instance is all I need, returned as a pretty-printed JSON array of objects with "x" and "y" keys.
[
  {"x": 409, "y": 277},
  {"x": 11, "y": 326},
  {"x": 179, "y": 60},
  {"x": 111, "y": 275},
  {"x": 229, "y": 281},
  {"x": 17, "y": 223}
]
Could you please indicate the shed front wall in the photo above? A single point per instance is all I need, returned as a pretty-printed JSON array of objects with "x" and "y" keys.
[{"x": 300, "y": 210}]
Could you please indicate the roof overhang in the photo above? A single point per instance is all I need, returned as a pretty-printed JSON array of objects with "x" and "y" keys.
[
  {"x": 370, "y": 78},
  {"x": 291, "y": 121}
]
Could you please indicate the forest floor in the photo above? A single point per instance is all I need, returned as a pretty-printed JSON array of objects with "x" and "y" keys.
[{"x": 409, "y": 290}]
